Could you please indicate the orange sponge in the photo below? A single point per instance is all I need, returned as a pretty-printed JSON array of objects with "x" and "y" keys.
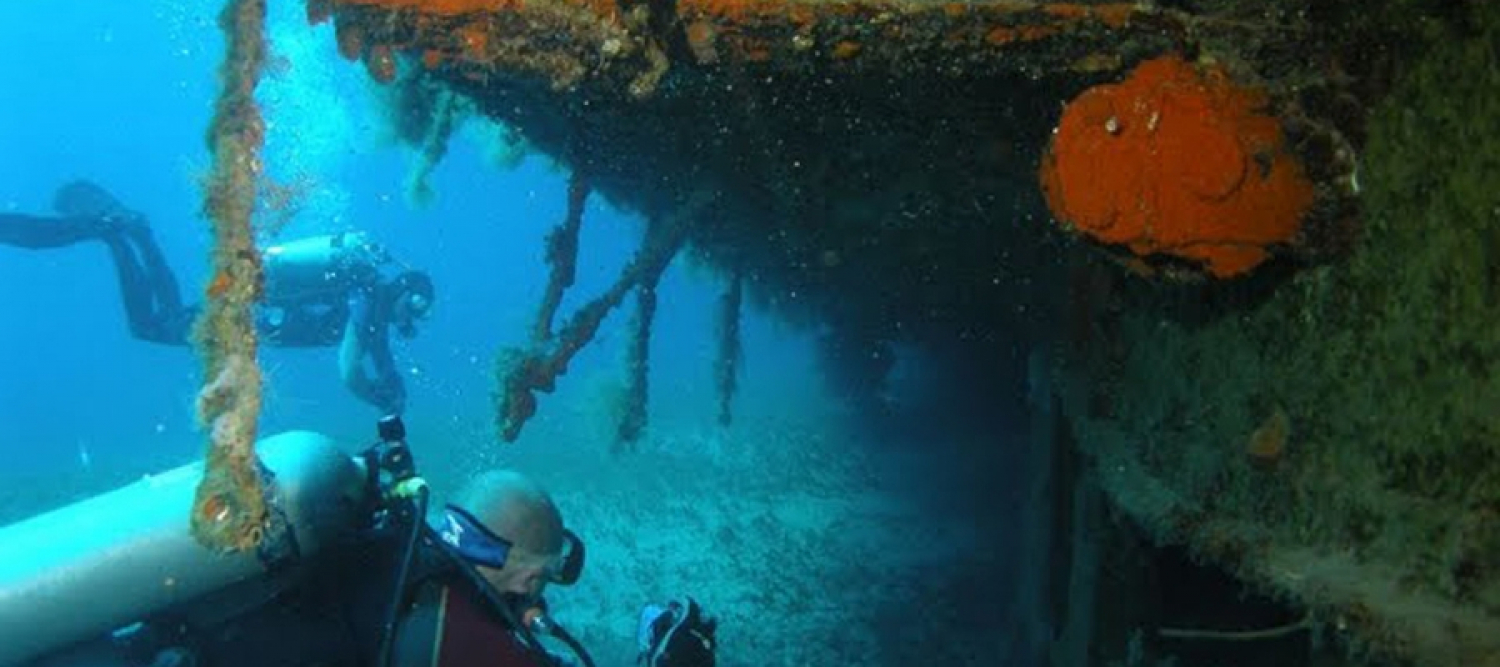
[{"x": 1179, "y": 162}]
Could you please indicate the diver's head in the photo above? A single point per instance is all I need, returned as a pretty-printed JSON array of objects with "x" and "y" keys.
[
  {"x": 411, "y": 301},
  {"x": 517, "y": 511}
]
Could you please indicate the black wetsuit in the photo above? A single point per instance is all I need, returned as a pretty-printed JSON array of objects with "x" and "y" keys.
[{"x": 156, "y": 313}]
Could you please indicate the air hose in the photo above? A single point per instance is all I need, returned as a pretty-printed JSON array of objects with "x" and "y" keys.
[
  {"x": 414, "y": 493},
  {"x": 539, "y": 622}
]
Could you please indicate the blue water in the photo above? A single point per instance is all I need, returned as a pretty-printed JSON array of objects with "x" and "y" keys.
[
  {"x": 786, "y": 514},
  {"x": 123, "y": 100}
]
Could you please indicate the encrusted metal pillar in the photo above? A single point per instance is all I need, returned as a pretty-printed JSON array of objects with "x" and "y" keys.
[{"x": 229, "y": 511}]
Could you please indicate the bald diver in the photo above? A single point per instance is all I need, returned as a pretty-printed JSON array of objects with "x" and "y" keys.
[
  {"x": 359, "y": 568},
  {"x": 338, "y": 289}
]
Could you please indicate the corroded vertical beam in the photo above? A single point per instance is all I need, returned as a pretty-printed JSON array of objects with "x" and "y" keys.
[
  {"x": 445, "y": 119},
  {"x": 229, "y": 511},
  {"x": 562, "y": 257},
  {"x": 638, "y": 364},
  {"x": 726, "y": 366},
  {"x": 522, "y": 372}
]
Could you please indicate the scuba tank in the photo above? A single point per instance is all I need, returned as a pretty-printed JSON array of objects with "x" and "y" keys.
[
  {"x": 321, "y": 269},
  {"x": 116, "y": 579},
  {"x": 81, "y": 571}
]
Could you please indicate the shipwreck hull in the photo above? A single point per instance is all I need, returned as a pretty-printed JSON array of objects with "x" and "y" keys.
[{"x": 873, "y": 166}]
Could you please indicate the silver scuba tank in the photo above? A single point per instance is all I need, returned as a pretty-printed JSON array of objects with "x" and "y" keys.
[
  {"x": 84, "y": 570},
  {"x": 321, "y": 269}
]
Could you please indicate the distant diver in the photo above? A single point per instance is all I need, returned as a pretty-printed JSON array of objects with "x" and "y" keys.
[{"x": 319, "y": 292}]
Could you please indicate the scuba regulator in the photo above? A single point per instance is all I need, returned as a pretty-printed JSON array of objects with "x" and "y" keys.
[{"x": 402, "y": 497}]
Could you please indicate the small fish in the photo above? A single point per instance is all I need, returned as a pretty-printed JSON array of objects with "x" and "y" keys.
[{"x": 84, "y": 460}]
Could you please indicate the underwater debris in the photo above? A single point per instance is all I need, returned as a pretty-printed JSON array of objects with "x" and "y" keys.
[
  {"x": 381, "y": 63},
  {"x": 562, "y": 257},
  {"x": 635, "y": 46},
  {"x": 637, "y": 365},
  {"x": 1177, "y": 160},
  {"x": 726, "y": 365},
  {"x": 229, "y": 511},
  {"x": 521, "y": 372},
  {"x": 446, "y": 116}
]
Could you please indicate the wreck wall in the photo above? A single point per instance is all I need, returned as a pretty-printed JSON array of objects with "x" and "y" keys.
[{"x": 1329, "y": 433}]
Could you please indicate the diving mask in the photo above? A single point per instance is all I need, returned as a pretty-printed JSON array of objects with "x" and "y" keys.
[
  {"x": 471, "y": 540},
  {"x": 477, "y": 544}
]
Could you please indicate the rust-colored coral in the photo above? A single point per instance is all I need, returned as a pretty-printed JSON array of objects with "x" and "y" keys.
[
  {"x": 381, "y": 64},
  {"x": 440, "y": 7},
  {"x": 1179, "y": 162}
]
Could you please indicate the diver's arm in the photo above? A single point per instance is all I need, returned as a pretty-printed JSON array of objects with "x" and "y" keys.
[
  {"x": 367, "y": 337},
  {"x": 390, "y": 387},
  {"x": 351, "y": 362}
]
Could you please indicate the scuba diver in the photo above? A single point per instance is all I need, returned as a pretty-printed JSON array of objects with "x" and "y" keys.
[
  {"x": 352, "y": 570},
  {"x": 319, "y": 292}
]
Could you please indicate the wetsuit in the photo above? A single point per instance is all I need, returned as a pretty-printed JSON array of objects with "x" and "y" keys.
[{"x": 320, "y": 292}]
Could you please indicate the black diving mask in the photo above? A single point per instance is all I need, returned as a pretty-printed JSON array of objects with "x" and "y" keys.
[
  {"x": 471, "y": 540},
  {"x": 570, "y": 562},
  {"x": 478, "y": 545}
]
